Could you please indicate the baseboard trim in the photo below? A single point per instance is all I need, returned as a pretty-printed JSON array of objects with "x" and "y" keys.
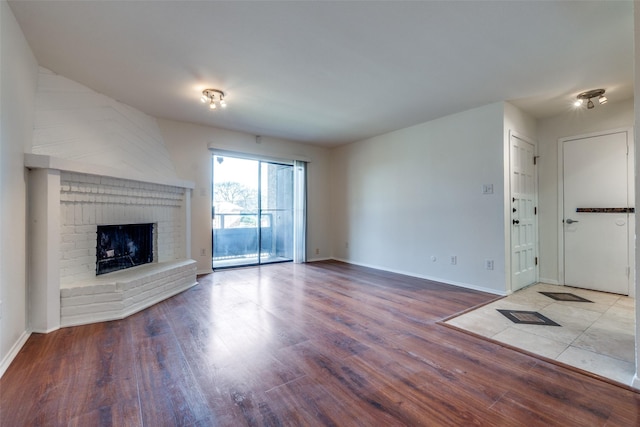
[
  {"x": 319, "y": 259},
  {"x": 13, "y": 352},
  {"x": 421, "y": 276},
  {"x": 45, "y": 331},
  {"x": 548, "y": 281}
]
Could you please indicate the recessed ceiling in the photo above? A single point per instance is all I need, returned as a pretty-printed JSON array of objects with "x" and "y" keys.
[{"x": 329, "y": 73}]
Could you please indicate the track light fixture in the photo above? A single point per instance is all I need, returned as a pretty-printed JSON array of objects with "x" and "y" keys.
[
  {"x": 214, "y": 98},
  {"x": 599, "y": 93}
]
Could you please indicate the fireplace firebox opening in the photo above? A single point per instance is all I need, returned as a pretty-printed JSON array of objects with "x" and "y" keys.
[{"x": 123, "y": 246}]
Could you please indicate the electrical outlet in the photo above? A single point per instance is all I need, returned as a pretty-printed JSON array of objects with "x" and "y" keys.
[
  {"x": 488, "y": 264},
  {"x": 453, "y": 260},
  {"x": 487, "y": 188},
  {"x": 203, "y": 252},
  {"x": 317, "y": 251},
  {"x": 346, "y": 245}
]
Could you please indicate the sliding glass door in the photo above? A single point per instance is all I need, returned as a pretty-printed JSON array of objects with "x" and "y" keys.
[
  {"x": 252, "y": 212},
  {"x": 276, "y": 212}
]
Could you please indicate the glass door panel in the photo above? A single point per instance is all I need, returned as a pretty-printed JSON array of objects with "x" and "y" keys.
[
  {"x": 276, "y": 212},
  {"x": 235, "y": 211}
]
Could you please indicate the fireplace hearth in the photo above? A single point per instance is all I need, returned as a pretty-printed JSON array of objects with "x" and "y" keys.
[{"x": 123, "y": 246}]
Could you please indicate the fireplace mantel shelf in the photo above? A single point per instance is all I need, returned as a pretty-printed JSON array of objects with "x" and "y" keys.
[{"x": 41, "y": 161}]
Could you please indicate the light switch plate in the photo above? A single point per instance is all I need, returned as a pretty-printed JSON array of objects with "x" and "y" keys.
[{"x": 487, "y": 188}]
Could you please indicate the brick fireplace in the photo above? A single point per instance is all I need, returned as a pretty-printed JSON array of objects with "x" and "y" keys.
[{"x": 68, "y": 201}]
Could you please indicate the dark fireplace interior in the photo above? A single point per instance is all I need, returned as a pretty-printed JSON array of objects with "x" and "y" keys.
[{"x": 123, "y": 246}]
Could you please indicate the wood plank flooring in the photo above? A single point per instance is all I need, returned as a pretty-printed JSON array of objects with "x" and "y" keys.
[{"x": 321, "y": 344}]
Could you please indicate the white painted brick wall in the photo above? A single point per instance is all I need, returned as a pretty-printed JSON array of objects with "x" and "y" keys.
[
  {"x": 74, "y": 122},
  {"x": 87, "y": 201}
]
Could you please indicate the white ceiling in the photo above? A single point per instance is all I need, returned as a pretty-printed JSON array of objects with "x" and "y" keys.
[{"x": 327, "y": 72}]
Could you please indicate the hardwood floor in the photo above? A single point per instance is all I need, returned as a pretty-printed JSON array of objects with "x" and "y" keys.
[{"x": 285, "y": 345}]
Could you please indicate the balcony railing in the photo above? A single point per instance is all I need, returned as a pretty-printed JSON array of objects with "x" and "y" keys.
[{"x": 235, "y": 235}]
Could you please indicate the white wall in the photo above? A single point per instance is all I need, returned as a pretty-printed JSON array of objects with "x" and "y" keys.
[
  {"x": 18, "y": 79},
  {"x": 613, "y": 115},
  {"x": 399, "y": 199},
  {"x": 189, "y": 144},
  {"x": 516, "y": 119},
  {"x": 76, "y": 123}
]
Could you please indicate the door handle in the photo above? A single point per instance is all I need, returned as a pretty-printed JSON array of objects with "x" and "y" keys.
[
  {"x": 516, "y": 221},
  {"x": 570, "y": 221}
]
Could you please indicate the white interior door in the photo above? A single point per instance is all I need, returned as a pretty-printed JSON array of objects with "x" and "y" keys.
[
  {"x": 524, "y": 229},
  {"x": 596, "y": 215}
]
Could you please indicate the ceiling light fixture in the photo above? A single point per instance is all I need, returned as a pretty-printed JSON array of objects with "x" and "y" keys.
[
  {"x": 214, "y": 98},
  {"x": 595, "y": 93}
]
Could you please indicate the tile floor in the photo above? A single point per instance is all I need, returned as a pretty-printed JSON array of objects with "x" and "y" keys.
[{"x": 597, "y": 337}]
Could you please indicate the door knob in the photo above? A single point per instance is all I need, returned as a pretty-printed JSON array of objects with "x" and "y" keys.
[
  {"x": 570, "y": 221},
  {"x": 516, "y": 221}
]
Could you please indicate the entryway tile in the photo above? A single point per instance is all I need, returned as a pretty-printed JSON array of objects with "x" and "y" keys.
[
  {"x": 598, "y": 337},
  {"x": 605, "y": 366},
  {"x": 534, "y": 343}
]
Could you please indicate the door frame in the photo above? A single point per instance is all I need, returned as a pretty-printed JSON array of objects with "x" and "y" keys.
[
  {"x": 508, "y": 217},
  {"x": 630, "y": 196}
]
